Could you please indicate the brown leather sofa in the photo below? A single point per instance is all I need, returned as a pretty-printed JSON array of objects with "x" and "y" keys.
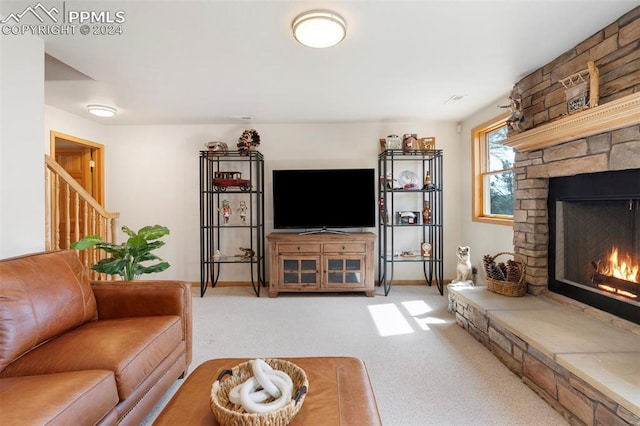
[{"x": 81, "y": 352}]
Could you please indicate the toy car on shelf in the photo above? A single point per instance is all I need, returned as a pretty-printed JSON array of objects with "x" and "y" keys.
[{"x": 224, "y": 180}]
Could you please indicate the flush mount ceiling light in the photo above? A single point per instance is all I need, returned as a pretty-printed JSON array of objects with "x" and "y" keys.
[
  {"x": 101, "y": 110},
  {"x": 319, "y": 28}
]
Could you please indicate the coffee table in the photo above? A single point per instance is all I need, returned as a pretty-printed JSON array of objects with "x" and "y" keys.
[{"x": 340, "y": 393}]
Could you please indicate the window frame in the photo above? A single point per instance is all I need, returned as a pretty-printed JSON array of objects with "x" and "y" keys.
[{"x": 480, "y": 163}]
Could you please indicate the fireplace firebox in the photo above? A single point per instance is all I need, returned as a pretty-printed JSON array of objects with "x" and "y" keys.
[{"x": 594, "y": 240}]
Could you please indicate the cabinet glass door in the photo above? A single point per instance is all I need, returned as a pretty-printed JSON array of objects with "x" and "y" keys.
[
  {"x": 347, "y": 270},
  {"x": 300, "y": 271}
]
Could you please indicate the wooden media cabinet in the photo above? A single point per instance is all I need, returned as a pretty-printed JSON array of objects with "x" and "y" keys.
[{"x": 321, "y": 262}]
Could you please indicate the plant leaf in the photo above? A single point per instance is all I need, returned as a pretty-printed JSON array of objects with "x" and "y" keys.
[
  {"x": 128, "y": 231},
  {"x": 158, "y": 267},
  {"x": 136, "y": 241},
  {"x": 153, "y": 245},
  {"x": 146, "y": 257},
  {"x": 153, "y": 232},
  {"x": 117, "y": 250},
  {"x": 86, "y": 242},
  {"x": 110, "y": 266}
]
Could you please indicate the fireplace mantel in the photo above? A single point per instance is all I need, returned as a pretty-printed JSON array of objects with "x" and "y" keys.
[{"x": 622, "y": 112}]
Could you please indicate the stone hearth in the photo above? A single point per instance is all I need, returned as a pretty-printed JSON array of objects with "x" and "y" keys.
[{"x": 585, "y": 368}]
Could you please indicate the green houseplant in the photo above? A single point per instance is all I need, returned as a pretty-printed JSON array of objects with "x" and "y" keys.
[{"x": 127, "y": 258}]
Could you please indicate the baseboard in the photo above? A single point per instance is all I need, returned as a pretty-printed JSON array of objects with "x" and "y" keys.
[
  {"x": 226, "y": 284},
  {"x": 416, "y": 282},
  {"x": 248, "y": 283}
]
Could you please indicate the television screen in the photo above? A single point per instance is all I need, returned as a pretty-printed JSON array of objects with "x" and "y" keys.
[{"x": 325, "y": 198}]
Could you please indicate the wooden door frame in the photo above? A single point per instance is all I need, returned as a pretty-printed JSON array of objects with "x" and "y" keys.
[{"x": 98, "y": 158}]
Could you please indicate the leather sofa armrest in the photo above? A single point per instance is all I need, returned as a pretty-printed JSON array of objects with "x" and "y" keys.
[{"x": 122, "y": 299}]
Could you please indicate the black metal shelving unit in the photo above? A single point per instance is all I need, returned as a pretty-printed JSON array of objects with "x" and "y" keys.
[
  {"x": 251, "y": 233},
  {"x": 390, "y": 233}
]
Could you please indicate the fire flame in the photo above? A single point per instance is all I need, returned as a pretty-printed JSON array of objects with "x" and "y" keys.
[
  {"x": 621, "y": 267},
  {"x": 621, "y": 292}
]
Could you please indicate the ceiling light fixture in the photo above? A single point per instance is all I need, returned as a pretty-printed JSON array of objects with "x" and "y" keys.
[
  {"x": 319, "y": 28},
  {"x": 101, "y": 110}
]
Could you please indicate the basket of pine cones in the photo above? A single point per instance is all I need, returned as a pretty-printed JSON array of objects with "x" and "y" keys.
[{"x": 507, "y": 277}]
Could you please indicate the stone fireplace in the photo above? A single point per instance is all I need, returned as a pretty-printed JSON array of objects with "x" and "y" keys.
[
  {"x": 570, "y": 357},
  {"x": 576, "y": 354},
  {"x": 613, "y": 150},
  {"x": 553, "y": 144}
]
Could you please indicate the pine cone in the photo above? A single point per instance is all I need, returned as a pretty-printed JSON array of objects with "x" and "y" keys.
[
  {"x": 487, "y": 260},
  {"x": 503, "y": 268},
  {"x": 496, "y": 273},
  {"x": 513, "y": 271},
  {"x": 493, "y": 271}
]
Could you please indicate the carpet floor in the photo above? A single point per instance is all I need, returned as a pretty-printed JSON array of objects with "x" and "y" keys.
[{"x": 425, "y": 369}]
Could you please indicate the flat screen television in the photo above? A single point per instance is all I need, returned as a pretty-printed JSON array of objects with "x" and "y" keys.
[{"x": 324, "y": 199}]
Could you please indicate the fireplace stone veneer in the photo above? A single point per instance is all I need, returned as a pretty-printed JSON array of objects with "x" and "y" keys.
[
  {"x": 616, "y": 150},
  {"x": 553, "y": 144},
  {"x": 561, "y": 348}
]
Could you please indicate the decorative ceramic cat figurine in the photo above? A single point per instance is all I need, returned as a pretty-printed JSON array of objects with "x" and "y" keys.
[
  {"x": 463, "y": 267},
  {"x": 464, "y": 275}
]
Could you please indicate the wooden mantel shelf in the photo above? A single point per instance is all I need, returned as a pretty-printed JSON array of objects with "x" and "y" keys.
[{"x": 613, "y": 115}]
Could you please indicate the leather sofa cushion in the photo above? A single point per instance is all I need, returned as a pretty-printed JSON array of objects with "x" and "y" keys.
[
  {"x": 130, "y": 347},
  {"x": 42, "y": 295},
  {"x": 74, "y": 398}
]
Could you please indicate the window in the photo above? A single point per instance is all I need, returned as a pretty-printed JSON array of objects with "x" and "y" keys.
[{"x": 493, "y": 179}]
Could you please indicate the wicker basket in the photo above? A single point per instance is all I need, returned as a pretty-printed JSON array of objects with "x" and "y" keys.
[
  {"x": 230, "y": 414},
  {"x": 509, "y": 288}
]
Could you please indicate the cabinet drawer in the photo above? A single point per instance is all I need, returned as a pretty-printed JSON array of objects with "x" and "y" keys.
[
  {"x": 344, "y": 248},
  {"x": 299, "y": 248}
]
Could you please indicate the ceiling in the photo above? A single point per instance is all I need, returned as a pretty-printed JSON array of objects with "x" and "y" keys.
[{"x": 209, "y": 62}]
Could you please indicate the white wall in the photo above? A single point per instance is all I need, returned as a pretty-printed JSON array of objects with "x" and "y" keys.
[
  {"x": 152, "y": 176},
  {"x": 63, "y": 122},
  {"x": 21, "y": 152},
  {"x": 482, "y": 238}
]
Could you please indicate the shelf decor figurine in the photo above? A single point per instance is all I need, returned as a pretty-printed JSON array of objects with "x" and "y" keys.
[
  {"x": 410, "y": 142},
  {"x": 427, "y": 143},
  {"x": 389, "y": 181},
  {"x": 407, "y": 218},
  {"x": 218, "y": 148},
  {"x": 249, "y": 140},
  {"x": 428, "y": 185},
  {"x": 516, "y": 119},
  {"x": 393, "y": 142},
  {"x": 427, "y": 181},
  {"x": 426, "y": 213},
  {"x": 384, "y": 214},
  {"x": 408, "y": 180},
  {"x": 224, "y": 180},
  {"x": 425, "y": 249},
  {"x": 243, "y": 211},
  {"x": 246, "y": 252},
  {"x": 226, "y": 211}
]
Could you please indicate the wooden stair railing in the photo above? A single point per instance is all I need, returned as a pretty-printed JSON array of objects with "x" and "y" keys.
[{"x": 71, "y": 213}]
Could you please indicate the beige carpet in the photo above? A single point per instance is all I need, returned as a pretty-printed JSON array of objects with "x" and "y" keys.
[{"x": 425, "y": 369}]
